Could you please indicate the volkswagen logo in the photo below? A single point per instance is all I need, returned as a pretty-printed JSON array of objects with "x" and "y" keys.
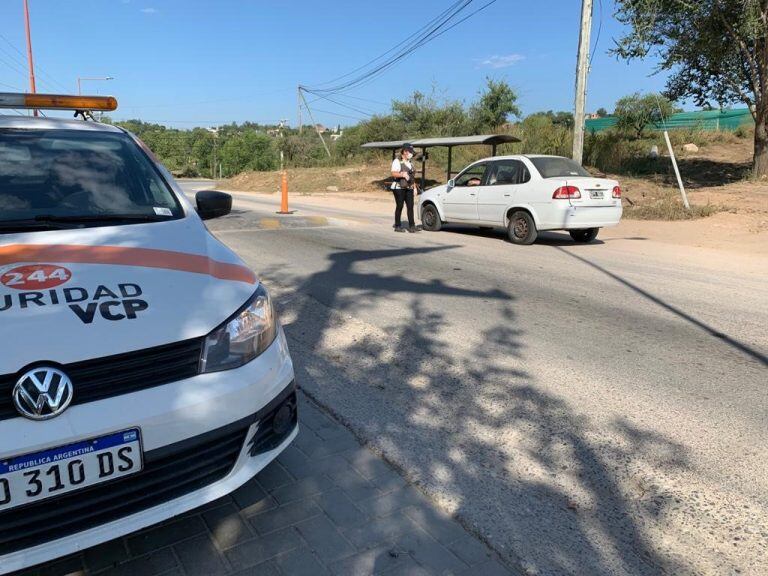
[{"x": 42, "y": 393}]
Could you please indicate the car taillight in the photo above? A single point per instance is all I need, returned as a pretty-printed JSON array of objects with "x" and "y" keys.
[
  {"x": 616, "y": 192},
  {"x": 566, "y": 192}
]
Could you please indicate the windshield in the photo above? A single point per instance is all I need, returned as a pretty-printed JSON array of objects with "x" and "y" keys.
[
  {"x": 556, "y": 167},
  {"x": 76, "y": 176}
]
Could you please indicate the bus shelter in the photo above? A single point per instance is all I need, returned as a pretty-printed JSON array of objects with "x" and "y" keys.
[{"x": 492, "y": 140}]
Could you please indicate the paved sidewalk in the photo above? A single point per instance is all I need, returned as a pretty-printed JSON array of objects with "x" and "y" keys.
[{"x": 327, "y": 506}]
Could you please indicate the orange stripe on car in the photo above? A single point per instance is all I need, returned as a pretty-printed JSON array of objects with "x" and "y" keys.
[{"x": 123, "y": 256}]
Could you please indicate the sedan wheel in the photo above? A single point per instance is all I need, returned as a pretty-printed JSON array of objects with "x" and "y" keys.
[
  {"x": 585, "y": 235},
  {"x": 430, "y": 218},
  {"x": 521, "y": 228}
]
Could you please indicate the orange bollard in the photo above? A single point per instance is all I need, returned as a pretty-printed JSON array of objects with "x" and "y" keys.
[{"x": 284, "y": 193}]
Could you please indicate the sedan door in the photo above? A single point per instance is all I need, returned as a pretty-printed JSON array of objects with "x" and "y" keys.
[
  {"x": 505, "y": 179},
  {"x": 460, "y": 202}
]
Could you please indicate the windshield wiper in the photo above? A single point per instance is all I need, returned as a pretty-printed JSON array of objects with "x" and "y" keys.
[
  {"x": 26, "y": 225},
  {"x": 54, "y": 222},
  {"x": 101, "y": 218}
]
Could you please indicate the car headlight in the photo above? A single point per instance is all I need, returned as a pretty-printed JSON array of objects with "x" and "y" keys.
[{"x": 243, "y": 337}]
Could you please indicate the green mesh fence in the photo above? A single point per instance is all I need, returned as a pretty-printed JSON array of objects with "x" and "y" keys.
[{"x": 703, "y": 120}]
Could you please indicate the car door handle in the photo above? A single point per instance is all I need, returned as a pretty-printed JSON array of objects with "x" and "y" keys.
[
  {"x": 471, "y": 193},
  {"x": 506, "y": 195}
]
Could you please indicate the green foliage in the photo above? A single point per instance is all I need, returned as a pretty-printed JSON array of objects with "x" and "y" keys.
[
  {"x": 564, "y": 119},
  {"x": 540, "y": 135},
  {"x": 635, "y": 112},
  {"x": 424, "y": 115},
  {"x": 602, "y": 112},
  {"x": 248, "y": 150},
  {"x": 714, "y": 49},
  {"x": 495, "y": 105}
]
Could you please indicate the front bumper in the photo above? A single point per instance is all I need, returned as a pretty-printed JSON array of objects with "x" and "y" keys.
[{"x": 217, "y": 415}]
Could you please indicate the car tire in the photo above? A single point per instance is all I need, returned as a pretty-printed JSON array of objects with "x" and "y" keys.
[
  {"x": 430, "y": 218},
  {"x": 584, "y": 235},
  {"x": 521, "y": 228}
]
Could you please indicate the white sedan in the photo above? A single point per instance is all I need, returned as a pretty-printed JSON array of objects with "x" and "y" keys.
[{"x": 525, "y": 194}]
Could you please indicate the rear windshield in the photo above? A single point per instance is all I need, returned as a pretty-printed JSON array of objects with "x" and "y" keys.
[
  {"x": 555, "y": 167},
  {"x": 66, "y": 174}
]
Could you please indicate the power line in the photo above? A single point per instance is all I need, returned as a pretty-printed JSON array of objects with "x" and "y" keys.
[
  {"x": 396, "y": 46},
  {"x": 51, "y": 80},
  {"x": 597, "y": 36},
  {"x": 342, "y": 104},
  {"x": 11, "y": 87},
  {"x": 337, "y": 114},
  {"x": 433, "y": 32},
  {"x": 425, "y": 41}
]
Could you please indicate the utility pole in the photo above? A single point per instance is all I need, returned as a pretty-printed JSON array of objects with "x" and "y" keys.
[
  {"x": 298, "y": 106},
  {"x": 582, "y": 68},
  {"x": 29, "y": 51}
]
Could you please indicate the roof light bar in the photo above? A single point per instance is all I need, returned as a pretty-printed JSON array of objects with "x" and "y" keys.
[{"x": 57, "y": 102}]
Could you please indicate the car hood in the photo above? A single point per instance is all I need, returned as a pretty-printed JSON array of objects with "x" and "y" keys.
[{"x": 72, "y": 295}]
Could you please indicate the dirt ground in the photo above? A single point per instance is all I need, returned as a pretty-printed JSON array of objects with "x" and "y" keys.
[{"x": 716, "y": 176}]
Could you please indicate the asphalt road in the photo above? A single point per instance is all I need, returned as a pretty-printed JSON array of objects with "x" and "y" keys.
[{"x": 585, "y": 409}]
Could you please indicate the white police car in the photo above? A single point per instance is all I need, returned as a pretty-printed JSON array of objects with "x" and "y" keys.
[{"x": 143, "y": 372}]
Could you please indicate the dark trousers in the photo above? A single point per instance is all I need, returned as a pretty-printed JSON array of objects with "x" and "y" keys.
[{"x": 403, "y": 197}]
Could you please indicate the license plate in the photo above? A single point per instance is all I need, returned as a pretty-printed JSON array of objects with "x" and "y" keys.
[
  {"x": 596, "y": 194},
  {"x": 31, "y": 477}
]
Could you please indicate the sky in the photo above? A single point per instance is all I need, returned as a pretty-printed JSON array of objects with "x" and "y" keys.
[{"x": 188, "y": 63}]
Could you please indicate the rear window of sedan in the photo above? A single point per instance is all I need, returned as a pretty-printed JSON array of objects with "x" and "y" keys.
[{"x": 557, "y": 167}]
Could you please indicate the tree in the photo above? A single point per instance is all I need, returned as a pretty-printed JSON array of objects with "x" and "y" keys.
[
  {"x": 601, "y": 112},
  {"x": 248, "y": 150},
  {"x": 635, "y": 112},
  {"x": 561, "y": 118},
  {"x": 717, "y": 51},
  {"x": 496, "y": 104},
  {"x": 424, "y": 115}
]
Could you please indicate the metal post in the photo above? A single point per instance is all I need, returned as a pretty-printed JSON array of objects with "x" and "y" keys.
[
  {"x": 450, "y": 150},
  {"x": 32, "y": 87},
  {"x": 423, "y": 167},
  {"x": 677, "y": 171},
  {"x": 582, "y": 65},
  {"x": 493, "y": 149}
]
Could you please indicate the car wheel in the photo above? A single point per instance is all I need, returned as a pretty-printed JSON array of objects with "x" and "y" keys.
[
  {"x": 430, "y": 218},
  {"x": 522, "y": 228},
  {"x": 584, "y": 235}
]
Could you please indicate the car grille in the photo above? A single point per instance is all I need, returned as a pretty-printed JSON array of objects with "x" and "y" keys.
[
  {"x": 120, "y": 374},
  {"x": 169, "y": 472}
]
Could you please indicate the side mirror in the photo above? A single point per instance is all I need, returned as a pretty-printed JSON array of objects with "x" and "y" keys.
[
  {"x": 451, "y": 184},
  {"x": 213, "y": 204}
]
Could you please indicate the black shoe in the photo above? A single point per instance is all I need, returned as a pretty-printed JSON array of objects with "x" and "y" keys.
[
  {"x": 399, "y": 229},
  {"x": 413, "y": 229}
]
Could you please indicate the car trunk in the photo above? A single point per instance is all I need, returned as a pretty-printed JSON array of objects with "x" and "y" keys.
[{"x": 594, "y": 191}]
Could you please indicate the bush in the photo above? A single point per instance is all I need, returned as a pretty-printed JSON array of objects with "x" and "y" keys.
[{"x": 669, "y": 206}]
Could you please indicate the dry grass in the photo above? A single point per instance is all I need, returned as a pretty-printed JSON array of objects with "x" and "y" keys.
[
  {"x": 364, "y": 178},
  {"x": 669, "y": 206}
]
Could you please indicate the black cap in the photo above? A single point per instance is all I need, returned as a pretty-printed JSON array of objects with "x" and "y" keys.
[{"x": 409, "y": 148}]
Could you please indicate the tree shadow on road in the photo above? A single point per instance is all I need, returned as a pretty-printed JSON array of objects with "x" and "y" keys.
[{"x": 465, "y": 421}]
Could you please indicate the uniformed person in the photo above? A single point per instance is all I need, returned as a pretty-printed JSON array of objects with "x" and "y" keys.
[{"x": 403, "y": 188}]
